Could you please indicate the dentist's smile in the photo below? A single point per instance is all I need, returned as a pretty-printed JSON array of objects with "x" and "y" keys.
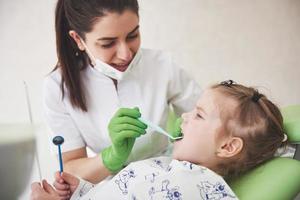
[{"x": 120, "y": 67}]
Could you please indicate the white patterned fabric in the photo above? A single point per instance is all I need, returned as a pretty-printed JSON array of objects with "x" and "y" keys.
[{"x": 159, "y": 178}]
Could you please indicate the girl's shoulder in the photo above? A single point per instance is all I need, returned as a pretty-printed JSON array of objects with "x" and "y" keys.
[{"x": 161, "y": 162}]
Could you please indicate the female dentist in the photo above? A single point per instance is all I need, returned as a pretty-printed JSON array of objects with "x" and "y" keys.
[{"x": 101, "y": 68}]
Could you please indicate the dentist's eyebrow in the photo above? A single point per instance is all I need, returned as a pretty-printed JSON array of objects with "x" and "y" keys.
[
  {"x": 201, "y": 109},
  {"x": 136, "y": 28},
  {"x": 114, "y": 38}
]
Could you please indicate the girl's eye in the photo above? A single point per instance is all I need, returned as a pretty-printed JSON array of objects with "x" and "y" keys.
[
  {"x": 105, "y": 46},
  {"x": 199, "y": 116},
  {"x": 131, "y": 37}
]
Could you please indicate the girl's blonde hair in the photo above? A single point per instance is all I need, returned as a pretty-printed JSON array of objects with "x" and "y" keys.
[{"x": 256, "y": 120}]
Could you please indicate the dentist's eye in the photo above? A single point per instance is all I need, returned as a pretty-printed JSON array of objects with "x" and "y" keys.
[
  {"x": 105, "y": 46},
  {"x": 132, "y": 37}
]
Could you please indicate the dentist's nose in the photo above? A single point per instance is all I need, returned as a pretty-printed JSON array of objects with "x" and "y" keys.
[{"x": 124, "y": 52}]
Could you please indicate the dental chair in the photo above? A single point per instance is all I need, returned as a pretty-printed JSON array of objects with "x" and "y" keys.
[{"x": 277, "y": 179}]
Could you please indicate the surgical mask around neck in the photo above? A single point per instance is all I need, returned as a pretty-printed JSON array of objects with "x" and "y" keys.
[{"x": 110, "y": 71}]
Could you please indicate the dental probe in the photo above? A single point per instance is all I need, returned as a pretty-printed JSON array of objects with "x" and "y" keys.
[{"x": 158, "y": 129}]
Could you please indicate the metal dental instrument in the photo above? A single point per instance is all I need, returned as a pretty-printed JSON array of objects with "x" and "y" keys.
[
  {"x": 31, "y": 122},
  {"x": 58, "y": 140},
  {"x": 159, "y": 129}
]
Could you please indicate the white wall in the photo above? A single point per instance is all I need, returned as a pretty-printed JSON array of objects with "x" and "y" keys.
[
  {"x": 255, "y": 42},
  {"x": 27, "y": 52},
  {"x": 251, "y": 41}
]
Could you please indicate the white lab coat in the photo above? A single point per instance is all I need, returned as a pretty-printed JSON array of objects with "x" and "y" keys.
[
  {"x": 157, "y": 179},
  {"x": 152, "y": 84}
]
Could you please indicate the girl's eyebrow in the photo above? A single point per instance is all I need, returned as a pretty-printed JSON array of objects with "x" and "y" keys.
[
  {"x": 114, "y": 38},
  {"x": 201, "y": 109}
]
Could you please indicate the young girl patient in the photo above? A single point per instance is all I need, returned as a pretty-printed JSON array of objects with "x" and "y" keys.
[{"x": 232, "y": 129}]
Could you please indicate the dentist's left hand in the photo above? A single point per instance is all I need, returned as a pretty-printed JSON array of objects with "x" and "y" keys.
[{"x": 123, "y": 129}]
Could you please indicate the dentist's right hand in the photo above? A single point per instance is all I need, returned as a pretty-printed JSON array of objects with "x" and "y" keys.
[{"x": 123, "y": 129}]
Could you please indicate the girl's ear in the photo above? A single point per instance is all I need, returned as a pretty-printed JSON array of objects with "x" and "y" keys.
[
  {"x": 77, "y": 39},
  {"x": 230, "y": 147}
]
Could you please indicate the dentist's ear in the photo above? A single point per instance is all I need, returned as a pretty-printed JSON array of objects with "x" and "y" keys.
[
  {"x": 77, "y": 39},
  {"x": 230, "y": 147}
]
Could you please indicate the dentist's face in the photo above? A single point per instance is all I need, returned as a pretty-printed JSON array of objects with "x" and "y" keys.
[
  {"x": 200, "y": 128},
  {"x": 115, "y": 39}
]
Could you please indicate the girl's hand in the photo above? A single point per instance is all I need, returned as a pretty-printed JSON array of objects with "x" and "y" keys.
[
  {"x": 65, "y": 184},
  {"x": 43, "y": 192}
]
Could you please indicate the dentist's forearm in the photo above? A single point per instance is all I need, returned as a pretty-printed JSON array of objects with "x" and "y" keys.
[{"x": 90, "y": 169}]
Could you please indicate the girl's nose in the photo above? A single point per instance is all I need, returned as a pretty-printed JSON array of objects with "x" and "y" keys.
[{"x": 184, "y": 117}]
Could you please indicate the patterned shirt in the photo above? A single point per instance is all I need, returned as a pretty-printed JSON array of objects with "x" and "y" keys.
[{"x": 158, "y": 178}]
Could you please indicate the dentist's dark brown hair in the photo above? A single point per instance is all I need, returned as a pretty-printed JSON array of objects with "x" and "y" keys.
[{"x": 80, "y": 16}]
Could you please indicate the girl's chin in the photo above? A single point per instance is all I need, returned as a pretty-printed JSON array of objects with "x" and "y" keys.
[
  {"x": 175, "y": 151},
  {"x": 174, "y": 155}
]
